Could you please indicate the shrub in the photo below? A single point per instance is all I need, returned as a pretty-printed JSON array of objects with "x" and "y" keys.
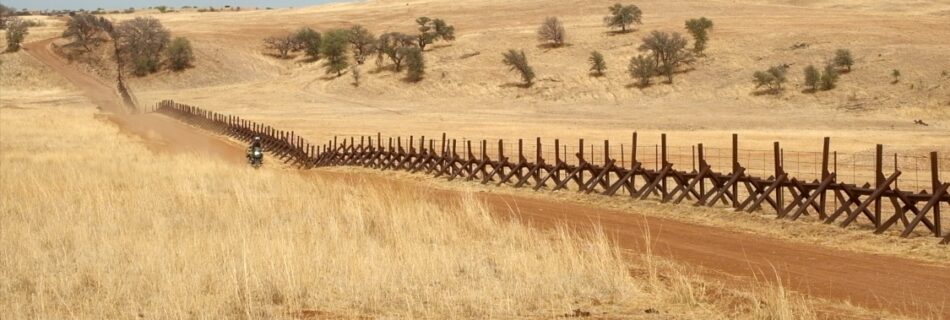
[
  {"x": 642, "y": 68},
  {"x": 16, "y": 32},
  {"x": 699, "y": 29},
  {"x": 129, "y": 10},
  {"x": 843, "y": 59},
  {"x": 828, "y": 78},
  {"x": 179, "y": 54},
  {"x": 517, "y": 61},
  {"x": 161, "y": 9},
  {"x": 333, "y": 48},
  {"x": 143, "y": 65},
  {"x": 552, "y": 31},
  {"x": 597, "y": 63},
  {"x": 142, "y": 40},
  {"x": 415, "y": 64},
  {"x": 394, "y": 45},
  {"x": 896, "y": 74},
  {"x": 668, "y": 50},
  {"x": 308, "y": 41},
  {"x": 773, "y": 78},
  {"x": 622, "y": 16},
  {"x": 812, "y": 77},
  {"x": 282, "y": 44},
  {"x": 87, "y": 30},
  {"x": 362, "y": 41},
  {"x": 444, "y": 30}
]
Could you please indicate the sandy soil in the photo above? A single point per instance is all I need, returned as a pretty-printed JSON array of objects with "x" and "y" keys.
[{"x": 895, "y": 284}]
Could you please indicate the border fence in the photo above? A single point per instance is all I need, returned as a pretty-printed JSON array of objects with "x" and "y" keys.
[{"x": 792, "y": 185}]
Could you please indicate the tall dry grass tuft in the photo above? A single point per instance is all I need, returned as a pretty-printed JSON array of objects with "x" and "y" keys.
[{"x": 92, "y": 225}]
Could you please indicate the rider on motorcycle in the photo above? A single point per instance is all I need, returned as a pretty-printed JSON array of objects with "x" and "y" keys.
[{"x": 255, "y": 146}]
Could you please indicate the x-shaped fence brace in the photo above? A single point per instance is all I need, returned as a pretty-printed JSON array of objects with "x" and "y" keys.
[{"x": 703, "y": 187}]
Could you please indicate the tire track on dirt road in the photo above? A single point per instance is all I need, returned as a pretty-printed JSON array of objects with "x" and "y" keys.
[{"x": 880, "y": 282}]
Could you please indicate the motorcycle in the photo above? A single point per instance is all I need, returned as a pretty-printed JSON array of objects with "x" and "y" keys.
[{"x": 255, "y": 157}]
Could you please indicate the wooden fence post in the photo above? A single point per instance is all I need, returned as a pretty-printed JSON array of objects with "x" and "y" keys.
[{"x": 878, "y": 181}]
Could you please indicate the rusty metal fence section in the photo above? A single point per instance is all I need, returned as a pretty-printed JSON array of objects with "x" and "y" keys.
[{"x": 900, "y": 194}]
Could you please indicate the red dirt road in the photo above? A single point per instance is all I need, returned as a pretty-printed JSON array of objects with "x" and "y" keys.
[{"x": 898, "y": 285}]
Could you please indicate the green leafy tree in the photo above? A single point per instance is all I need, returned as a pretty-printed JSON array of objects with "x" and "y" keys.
[
  {"x": 812, "y": 77},
  {"x": 699, "y": 29},
  {"x": 16, "y": 32},
  {"x": 415, "y": 63},
  {"x": 333, "y": 48},
  {"x": 87, "y": 30},
  {"x": 444, "y": 30},
  {"x": 395, "y": 46},
  {"x": 642, "y": 68},
  {"x": 668, "y": 51},
  {"x": 179, "y": 54},
  {"x": 142, "y": 40},
  {"x": 622, "y": 16},
  {"x": 829, "y": 78},
  {"x": 597, "y": 63},
  {"x": 843, "y": 59},
  {"x": 362, "y": 42},
  {"x": 773, "y": 78},
  {"x": 517, "y": 61},
  {"x": 308, "y": 41},
  {"x": 432, "y": 30}
]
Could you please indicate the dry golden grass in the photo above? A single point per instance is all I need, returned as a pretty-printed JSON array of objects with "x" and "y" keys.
[{"x": 94, "y": 225}]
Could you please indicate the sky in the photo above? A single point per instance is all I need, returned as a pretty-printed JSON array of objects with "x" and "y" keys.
[{"x": 123, "y": 4}]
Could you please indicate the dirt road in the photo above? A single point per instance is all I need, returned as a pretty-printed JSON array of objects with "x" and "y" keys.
[
  {"x": 163, "y": 133},
  {"x": 895, "y": 284}
]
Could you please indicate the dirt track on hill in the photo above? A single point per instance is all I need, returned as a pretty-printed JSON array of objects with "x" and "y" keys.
[{"x": 899, "y": 285}]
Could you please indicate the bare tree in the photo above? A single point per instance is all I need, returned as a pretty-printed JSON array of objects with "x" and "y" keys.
[
  {"x": 362, "y": 41},
  {"x": 622, "y": 16},
  {"x": 517, "y": 61},
  {"x": 552, "y": 31},
  {"x": 87, "y": 30},
  {"x": 283, "y": 45},
  {"x": 142, "y": 40}
]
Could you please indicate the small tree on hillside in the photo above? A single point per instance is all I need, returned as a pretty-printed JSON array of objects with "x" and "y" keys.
[
  {"x": 812, "y": 77},
  {"x": 142, "y": 40},
  {"x": 395, "y": 46},
  {"x": 87, "y": 30},
  {"x": 283, "y": 45},
  {"x": 308, "y": 41},
  {"x": 517, "y": 61},
  {"x": 896, "y": 74},
  {"x": 161, "y": 9},
  {"x": 552, "y": 31},
  {"x": 699, "y": 29},
  {"x": 333, "y": 48},
  {"x": 179, "y": 54},
  {"x": 415, "y": 63},
  {"x": 622, "y": 16},
  {"x": 829, "y": 78},
  {"x": 362, "y": 41},
  {"x": 773, "y": 78},
  {"x": 642, "y": 68},
  {"x": 843, "y": 59},
  {"x": 597, "y": 63},
  {"x": 16, "y": 32},
  {"x": 432, "y": 30},
  {"x": 668, "y": 50}
]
